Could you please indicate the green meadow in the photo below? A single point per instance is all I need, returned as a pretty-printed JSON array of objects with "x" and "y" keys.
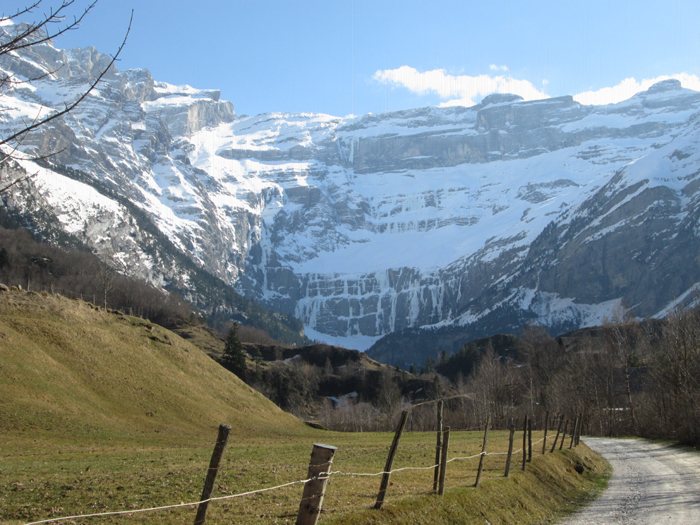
[{"x": 102, "y": 412}]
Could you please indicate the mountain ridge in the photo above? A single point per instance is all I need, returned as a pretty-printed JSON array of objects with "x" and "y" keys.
[{"x": 369, "y": 225}]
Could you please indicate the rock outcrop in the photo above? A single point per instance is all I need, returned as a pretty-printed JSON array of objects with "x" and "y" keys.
[{"x": 484, "y": 218}]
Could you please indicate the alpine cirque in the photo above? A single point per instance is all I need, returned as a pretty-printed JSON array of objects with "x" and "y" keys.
[{"x": 486, "y": 218}]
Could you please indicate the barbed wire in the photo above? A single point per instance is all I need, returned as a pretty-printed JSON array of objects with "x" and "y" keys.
[
  {"x": 430, "y": 401},
  {"x": 356, "y": 474},
  {"x": 322, "y": 476},
  {"x": 465, "y": 458},
  {"x": 151, "y": 509}
]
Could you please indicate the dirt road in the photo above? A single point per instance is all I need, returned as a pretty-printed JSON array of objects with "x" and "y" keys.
[{"x": 651, "y": 484}]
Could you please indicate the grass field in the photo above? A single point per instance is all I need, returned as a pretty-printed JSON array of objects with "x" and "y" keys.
[
  {"x": 67, "y": 368},
  {"x": 47, "y": 480},
  {"x": 104, "y": 412}
]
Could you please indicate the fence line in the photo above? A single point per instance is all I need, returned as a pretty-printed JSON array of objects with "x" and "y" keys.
[
  {"x": 134, "y": 511},
  {"x": 431, "y": 401},
  {"x": 259, "y": 491},
  {"x": 323, "y": 476},
  {"x": 468, "y": 457}
]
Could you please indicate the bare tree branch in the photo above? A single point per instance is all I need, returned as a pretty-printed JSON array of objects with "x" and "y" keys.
[
  {"x": 82, "y": 97},
  {"x": 13, "y": 83},
  {"x": 20, "y": 12},
  {"x": 16, "y": 181},
  {"x": 23, "y": 40}
]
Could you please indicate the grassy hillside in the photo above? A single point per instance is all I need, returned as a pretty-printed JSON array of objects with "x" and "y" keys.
[
  {"x": 69, "y": 369},
  {"x": 103, "y": 412}
]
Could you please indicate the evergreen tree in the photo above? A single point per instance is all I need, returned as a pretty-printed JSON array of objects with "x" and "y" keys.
[
  {"x": 234, "y": 357},
  {"x": 328, "y": 367},
  {"x": 437, "y": 388}
]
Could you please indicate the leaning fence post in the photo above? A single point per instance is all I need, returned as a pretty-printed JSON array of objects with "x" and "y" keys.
[
  {"x": 561, "y": 422},
  {"x": 438, "y": 446},
  {"x": 525, "y": 441},
  {"x": 529, "y": 440},
  {"x": 443, "y": 460},
  {"x": 510, "y": 449},
  {"x": 221, "y": 440},
  {"x": 315, "y": 489},
  {"x": 546, "y": 427},
  {"x": 573, "y": 434},
  {"x": 563, "y": 436},
  {"x": 483, "y": 453},
  {"x": 390, "y": 461}
]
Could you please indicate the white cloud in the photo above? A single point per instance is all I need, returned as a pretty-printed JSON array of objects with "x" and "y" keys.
[
  {"x": 630, "y": 87},
  {"x": 461, "y": 90},
  {"x": 466, "y": 90}
]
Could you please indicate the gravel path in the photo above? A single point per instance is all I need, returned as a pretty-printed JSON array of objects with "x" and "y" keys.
[{"x": 651, "y": 484}]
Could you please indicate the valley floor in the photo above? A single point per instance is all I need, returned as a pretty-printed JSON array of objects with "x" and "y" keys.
[
  {"x": 105, "y": 412},
  {"x": 41, "y": 480}
]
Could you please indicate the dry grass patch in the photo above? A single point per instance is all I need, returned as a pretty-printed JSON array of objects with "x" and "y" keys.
[
  {"x": 204, "y": 338},
  {"x": 69, "y": 369},
  {"x": 103, "y": 478},
  {"x": 550, "y": 488},
  {"x": 104, "y": 412}
]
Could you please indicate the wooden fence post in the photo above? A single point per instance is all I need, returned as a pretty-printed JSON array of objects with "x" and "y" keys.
[
  {"x": 563, "y": 436},
  {"x": 315, "y": 489},
  {"x": 561, "y": 422},
  {"x": 529, "y": 440},
  {"x": 525, "y": 441},
  {"x": 390, "y": 461},
  {"x": 546, "y": 427},
  {"x": 573, "y": 434},
  {"x": 219, "y": 447},
  {"x": 438, "y": 446},
  {"x": 580, "y": 428},
  {"x": 483, "y": 453},
  {"x": 443, "y": 460},
  {"x": 510, "y": 450}
]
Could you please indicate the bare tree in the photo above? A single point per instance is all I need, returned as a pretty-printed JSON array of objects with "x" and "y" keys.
[
  {"x": 497, "y": 386},
  {"x": 18, "y": 37},
  {"x": 674, "y": 384},
  {"x": 540, "y": 356}
]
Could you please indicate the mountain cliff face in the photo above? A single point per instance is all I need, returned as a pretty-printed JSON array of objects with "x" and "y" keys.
[{"x": 484, "y": 218}]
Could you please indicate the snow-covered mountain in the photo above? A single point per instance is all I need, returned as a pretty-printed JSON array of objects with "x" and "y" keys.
[{"x": 485, "y": 217}]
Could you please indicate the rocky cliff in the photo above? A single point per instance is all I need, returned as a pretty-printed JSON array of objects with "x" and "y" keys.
[{"x": 483, "y": 218}]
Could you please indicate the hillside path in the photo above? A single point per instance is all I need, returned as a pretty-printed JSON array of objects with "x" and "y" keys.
[{"x": 652, "y": 483}]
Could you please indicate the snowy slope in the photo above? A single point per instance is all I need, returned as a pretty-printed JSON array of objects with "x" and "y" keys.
[{"x": 369, "y": 225}]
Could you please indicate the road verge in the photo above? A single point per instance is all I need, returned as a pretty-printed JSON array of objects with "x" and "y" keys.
[{"x": 553, "y": 486}]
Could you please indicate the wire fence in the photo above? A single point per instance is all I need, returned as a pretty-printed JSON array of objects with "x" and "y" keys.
[
  {"x": 177, "y": 505},
  {"x": 327, "y": 474}
]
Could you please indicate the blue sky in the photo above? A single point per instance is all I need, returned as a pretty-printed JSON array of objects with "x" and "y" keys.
[{"x": 358, "y": 56}]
